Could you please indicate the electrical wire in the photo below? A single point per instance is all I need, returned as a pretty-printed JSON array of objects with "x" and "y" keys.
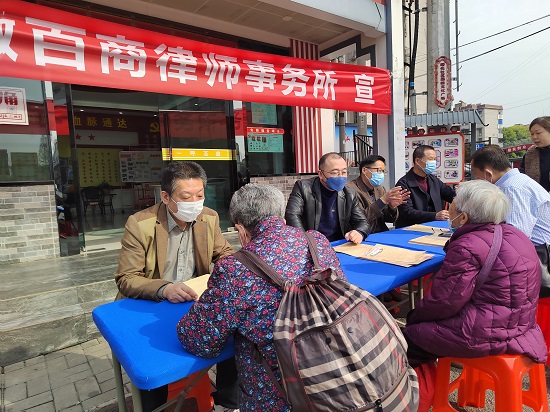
[
  {"x": 504, "y": 45},
  {"x": 526, "y": 104},
  {"x": 500, "y": 32},
  {"x": 519, "y": 69}
]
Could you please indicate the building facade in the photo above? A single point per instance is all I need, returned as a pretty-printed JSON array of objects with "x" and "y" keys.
[
  {"x": 490, "y": 132},
  {"x": 244, "y": 87}
]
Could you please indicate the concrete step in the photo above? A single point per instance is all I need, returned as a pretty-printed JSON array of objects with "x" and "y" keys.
[
  {"x": 45, "y": 322},
  {"x": 53, "y": 300},
  {"x": 46, "y": 305}
]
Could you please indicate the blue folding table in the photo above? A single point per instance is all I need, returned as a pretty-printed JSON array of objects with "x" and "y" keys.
[{"x": 142, "y": 334}]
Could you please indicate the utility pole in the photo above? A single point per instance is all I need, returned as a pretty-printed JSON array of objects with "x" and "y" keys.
[{"x": 439, "y": 53}]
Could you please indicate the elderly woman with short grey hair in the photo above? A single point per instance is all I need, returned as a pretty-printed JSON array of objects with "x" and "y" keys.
[
  {"x": 240, "y": 304},
  {"x": 466, "y": 315}
]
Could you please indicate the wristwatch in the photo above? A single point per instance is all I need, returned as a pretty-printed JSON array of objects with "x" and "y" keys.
[{"x": 159, "y": 292}]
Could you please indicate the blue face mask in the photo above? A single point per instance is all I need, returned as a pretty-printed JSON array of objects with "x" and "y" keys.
[
  {"x": 336, "y": 183},
  {"x": 430, "y": 167},
  {"x": 376, "y": 179}
]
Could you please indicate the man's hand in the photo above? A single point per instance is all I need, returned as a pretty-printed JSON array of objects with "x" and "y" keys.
[
  {"x": 354, "y": 236},
  {"x": 442, "y": 215},
  {"x": 395, "y": 197},
  {"x": 179, "y": 292}
]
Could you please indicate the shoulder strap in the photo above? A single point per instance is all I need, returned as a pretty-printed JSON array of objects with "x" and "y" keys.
[
  {"x": 312, "y": 244},
  {"x": 491, "y": 257},
  {"x": 259, "y": 267}
]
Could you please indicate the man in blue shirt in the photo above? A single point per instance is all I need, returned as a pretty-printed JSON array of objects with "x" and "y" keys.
[
  {"x": 323, "y": 203},
  {"x": 530, "y": 203}
]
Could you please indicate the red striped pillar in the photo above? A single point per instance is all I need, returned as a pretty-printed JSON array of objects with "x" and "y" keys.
[{"x": 307, "y": 120}]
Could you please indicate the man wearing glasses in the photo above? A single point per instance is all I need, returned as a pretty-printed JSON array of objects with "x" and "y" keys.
[
  {"x": 380, "y": 205},
  {"x": 324, "y": 203}
]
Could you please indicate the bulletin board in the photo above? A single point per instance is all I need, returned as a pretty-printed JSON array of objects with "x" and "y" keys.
[
  {"x": 267, "y": 140},
  {"x": 140, "y": 166},
  {"x": 98, "y": 166},
  {"x": 449, "y": 149}
]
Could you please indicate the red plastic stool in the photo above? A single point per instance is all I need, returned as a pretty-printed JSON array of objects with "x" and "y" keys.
[
  {"x": 197, "y": 397},
  {"x": 502, "y": 374},
  {"x": 543, "y": 319}
]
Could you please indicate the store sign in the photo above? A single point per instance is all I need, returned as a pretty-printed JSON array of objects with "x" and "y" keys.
[
  {"x": 13, "y": 104},
  {"x": 519, "y": 148},
  {"x": 38, "y": 42},
  {"x": 197, "y": 154},
  {"x": 443, "y": 92}
]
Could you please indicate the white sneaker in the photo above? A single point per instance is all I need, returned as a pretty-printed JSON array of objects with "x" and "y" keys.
[{"x": 219, "y": 408}]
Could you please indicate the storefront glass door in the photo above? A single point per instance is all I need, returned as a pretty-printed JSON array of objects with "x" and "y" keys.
[{"x": 201, "y": 130}]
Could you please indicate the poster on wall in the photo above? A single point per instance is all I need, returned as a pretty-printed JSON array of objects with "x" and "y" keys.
[
  {"x": 265, "y": 140},
  {"x": 264, "y": 113},
  {"x": 449, "y": 149},
  {"x": 140, "y": 166},
  {"x": 13, "y": 106},
  {"x": 98, "y": 166}
]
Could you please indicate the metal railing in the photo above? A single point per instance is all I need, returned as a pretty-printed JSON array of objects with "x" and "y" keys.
[{"x": 361, "y": 149}]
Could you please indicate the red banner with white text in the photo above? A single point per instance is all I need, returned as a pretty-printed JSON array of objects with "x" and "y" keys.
[{"x": 42, "y": 43}]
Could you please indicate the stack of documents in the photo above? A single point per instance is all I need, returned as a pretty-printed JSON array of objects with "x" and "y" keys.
[
  {"x": 384, "y": 253},
  {"x": 427, "y": 229},
  {"x": 430, "y": 240},
  {"x": 198, "y": 284}
]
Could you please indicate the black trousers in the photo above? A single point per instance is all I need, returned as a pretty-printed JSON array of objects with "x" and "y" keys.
[
  {"x": 417, "y": 356},
  {"x": 227, "y": 389}
]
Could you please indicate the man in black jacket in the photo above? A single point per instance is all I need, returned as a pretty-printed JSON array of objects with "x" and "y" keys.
[
  {"x": 428, "y": 193},
  {"x": 324, "y": 203}
]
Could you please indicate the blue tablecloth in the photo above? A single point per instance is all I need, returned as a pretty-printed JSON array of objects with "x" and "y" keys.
[
  {"x": 401, "y": 237},
  {"x": 142, "y": 333},
  {"x": 377, "y": 277}
]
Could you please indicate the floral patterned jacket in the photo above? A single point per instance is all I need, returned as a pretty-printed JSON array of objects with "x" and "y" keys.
[{"x": 239, "y": 303}]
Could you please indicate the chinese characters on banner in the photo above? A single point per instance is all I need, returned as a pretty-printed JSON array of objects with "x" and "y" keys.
[
  {"x": 140, "y": 166},
  {"x": 261, "y": 139},
  {"x": 38, "y": 42},
  {"x": 13, "y": 105},
  {"x": 98, "y": 166},
  {"x": 449, "y": 149}
]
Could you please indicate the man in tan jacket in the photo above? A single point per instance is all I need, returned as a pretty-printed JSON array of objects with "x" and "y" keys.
[{"x": 167, "y": 244}]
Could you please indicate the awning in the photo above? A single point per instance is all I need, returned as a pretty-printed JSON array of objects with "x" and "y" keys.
[
  {"x": 42, "y": 43},
  {"x": 444, "y": 118}
]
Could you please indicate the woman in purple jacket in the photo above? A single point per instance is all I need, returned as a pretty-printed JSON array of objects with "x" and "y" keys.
[{"x": 498, "y": 318}]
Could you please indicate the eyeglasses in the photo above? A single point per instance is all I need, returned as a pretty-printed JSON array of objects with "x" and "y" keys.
[
  {"x": 336, "y": 173},
  {"x": 377, "y": 170}
]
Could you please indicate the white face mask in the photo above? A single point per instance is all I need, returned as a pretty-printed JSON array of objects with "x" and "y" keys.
[{"x": 188, "y": 211}]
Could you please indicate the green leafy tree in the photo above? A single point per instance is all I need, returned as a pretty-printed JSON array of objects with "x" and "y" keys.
[{"x": 515, "y": 135}]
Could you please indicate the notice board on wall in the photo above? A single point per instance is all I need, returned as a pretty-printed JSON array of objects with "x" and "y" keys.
[
  {"x": 98, "y": 166},
  {"x": 449, "y": 149},
  {"x": 267, "y": 140},
  {"x": 140, "y": 166}
]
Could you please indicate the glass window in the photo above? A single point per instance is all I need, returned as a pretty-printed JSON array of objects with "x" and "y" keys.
[
  {"x": 269, "y": 144},
  {"x": 24, "y": 148},
  {"x": 198, "y": 129}
]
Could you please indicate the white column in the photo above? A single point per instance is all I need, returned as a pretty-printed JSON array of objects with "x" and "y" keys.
[{"x": 391, "y": 129}]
